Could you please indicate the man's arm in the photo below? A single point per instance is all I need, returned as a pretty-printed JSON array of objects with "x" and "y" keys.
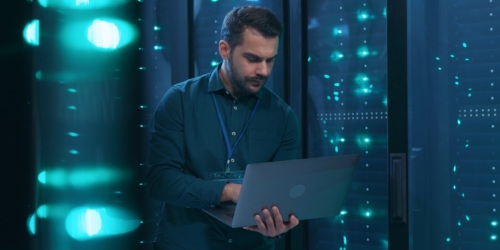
[{"x": 168, "y": 179}]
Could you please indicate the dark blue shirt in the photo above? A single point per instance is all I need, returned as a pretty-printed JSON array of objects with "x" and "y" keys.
[{"x": 187, "y": 147}]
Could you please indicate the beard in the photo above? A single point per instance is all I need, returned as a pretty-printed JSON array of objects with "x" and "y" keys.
[{"x": 241, "y": 83}]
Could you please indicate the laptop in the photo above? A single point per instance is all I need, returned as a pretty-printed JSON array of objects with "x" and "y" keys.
[{"x": 308, "y": 188}]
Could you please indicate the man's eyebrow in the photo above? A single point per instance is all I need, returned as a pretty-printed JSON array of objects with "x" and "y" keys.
[{"x": 258, "y": 57}]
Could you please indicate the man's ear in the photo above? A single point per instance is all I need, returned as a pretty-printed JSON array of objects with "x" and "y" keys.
[{"x": 224, "y": 49}]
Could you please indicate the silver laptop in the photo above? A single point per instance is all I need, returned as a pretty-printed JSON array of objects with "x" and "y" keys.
[{"x": 308, "y": 188}]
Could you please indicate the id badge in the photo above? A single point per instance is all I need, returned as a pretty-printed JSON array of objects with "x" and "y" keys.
[{"x": 235, "y": 176}]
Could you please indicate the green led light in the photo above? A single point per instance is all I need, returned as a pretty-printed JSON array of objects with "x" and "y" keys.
[
  {"x": 214, "y": 63},
  {"x": 326, "y": 76},
  {"x": 494, "y": 237},
  {"x": 494, "y": 223}
]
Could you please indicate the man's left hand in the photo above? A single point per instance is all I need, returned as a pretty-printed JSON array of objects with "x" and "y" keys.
[{"x": 272, "y": 228}]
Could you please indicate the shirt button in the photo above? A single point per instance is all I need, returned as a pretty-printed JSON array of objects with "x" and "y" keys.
[
  {"x": 233, "y": 133},
  {"x": 235, "y": 108},
  {"x": 232, "y": 159}
]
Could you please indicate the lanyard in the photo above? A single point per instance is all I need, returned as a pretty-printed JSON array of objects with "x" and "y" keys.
[{"x": 230, "y": 149}]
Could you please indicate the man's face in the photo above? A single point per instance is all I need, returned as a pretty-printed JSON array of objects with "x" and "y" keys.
[{"x": 251, "y": 63}]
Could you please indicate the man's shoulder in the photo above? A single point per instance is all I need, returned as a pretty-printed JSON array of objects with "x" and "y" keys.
[{"x": 270, "y": 96}]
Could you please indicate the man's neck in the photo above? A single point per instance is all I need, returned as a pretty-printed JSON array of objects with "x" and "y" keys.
[{"x": 226, "y": 82}]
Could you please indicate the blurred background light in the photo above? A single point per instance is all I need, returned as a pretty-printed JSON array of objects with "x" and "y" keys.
[
  {"x": 85, "y": 223},
  {"x": 80, "y": 4},
  {"x": 82, "y": 177},
  {"x": 106, "y": 34},
  {"x": 31, "y": 33},
  {"x": 31, "y": 224}
]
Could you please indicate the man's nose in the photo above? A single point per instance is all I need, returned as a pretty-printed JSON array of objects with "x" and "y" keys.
[{"x": 262, "y": 69}]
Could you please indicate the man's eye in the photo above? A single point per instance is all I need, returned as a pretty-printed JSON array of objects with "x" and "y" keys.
[{"x": 252, "y": 59}]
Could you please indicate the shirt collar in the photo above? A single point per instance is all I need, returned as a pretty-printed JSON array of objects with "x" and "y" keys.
[{"x": 215, "y": 83}]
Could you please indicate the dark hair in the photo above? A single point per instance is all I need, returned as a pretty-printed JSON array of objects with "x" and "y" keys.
[{"x": 259, "y": 18}]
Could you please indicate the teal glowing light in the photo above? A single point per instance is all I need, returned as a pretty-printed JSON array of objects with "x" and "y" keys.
[
  {"x": 494, "y": 223},
  {"x": 31, "y": 33},
  {"x": 31, "y": 224},
  {"x": 342, "y": 30},
  {"x": 86, "y": 223},
  {"x": 214, "y": 63},
  {"x": 71, "y": 107},
  {"x": 82, "y": 177},
  {"x": 363, "y": 15},
  {"x": 73, "y": 134},
  {"x": 106, "y": 34},
  {"x": 42, "y": 177},
  {"x": 363, "y": 140},
  {"x": 326, "y": 76},
  {"x": 494, "y": 237},
  {"x": 74, "y": 152},
  {"x": 464, "y": 45},
  {"x": 337, "y": 32},
  {"x": 80, "y": 4},
  {"x": 363, "y": 83},
  {"x": 363, "y": 52},
  {"x": 42, "y": 211},
  {"x": 336, "y": 56}
]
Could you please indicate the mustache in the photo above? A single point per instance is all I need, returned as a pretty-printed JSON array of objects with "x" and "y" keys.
[{"x": 257, "y": 78}]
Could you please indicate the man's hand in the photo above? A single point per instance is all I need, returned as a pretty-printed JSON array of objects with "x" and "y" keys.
[
  {"x": 231, "y": 192},
  {"x": 272, "y": 228}
]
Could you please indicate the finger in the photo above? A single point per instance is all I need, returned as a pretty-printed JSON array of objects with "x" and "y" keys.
[
  {"x": 278, "y": 220},
  {"x": 259, "y": 225},
  {"x": 271, "y": 230},
  {"x": 294, "y": 221}
]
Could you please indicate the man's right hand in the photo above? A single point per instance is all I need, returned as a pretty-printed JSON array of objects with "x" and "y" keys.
[{"x": 231, "y": 192}]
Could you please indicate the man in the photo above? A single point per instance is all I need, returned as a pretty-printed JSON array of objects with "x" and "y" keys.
[{"x": 207, "y": 129}]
